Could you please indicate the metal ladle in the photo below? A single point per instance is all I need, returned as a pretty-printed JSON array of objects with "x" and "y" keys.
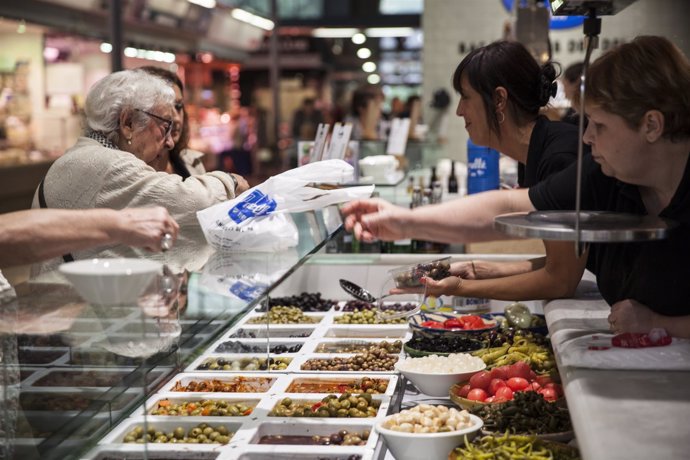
[
  {"x": 358, "y": 292},
  {"x": 362, "y": 294}
]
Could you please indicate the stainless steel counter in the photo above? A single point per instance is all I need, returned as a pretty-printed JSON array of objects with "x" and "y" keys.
[{"x": 618, "y": 414}]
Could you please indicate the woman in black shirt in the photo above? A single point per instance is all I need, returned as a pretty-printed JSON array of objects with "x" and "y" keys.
[{"x": 639, "y": 132}]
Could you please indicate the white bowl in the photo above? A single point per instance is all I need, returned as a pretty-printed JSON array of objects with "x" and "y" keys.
[
  {"x": 436, "y": 384},
  {"x": 379, "y": 167},
  {"x": 428, "y": 446},
  {"x": 111, "y": 281}
]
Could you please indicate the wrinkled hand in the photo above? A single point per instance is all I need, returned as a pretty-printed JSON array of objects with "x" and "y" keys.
[
  {"x": 374, "y": 219},
  {"x": 631, "y": 316},
  {"x": 242, "y": 184},
  {"x": 145, "y": 227},
  {"x": 451, "y": 285},
  {"x": 464, "y": 270}
]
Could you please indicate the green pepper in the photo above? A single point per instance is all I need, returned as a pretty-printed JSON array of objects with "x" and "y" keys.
[{"x": 518, "y": 315}]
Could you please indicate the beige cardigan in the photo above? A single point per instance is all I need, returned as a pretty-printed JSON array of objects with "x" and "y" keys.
[{"x": 89, "y": 175}]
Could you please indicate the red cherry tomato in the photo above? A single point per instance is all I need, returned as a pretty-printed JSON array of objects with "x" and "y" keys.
[
  {"x": 549, "y": 394},
  {"x": 462, "y": 392},
  {"x": 477, "y": 394},
  {"x": 520, "y": 369},
  {"x": 490, "y": 399},
  {"x": 534, "y": 386},
  {"x": 504, "y": 394},
  {"x": 543, "y": 379},
  {"x": 555, "y": 387},
  {"x": 517, "y": 383},
  {"x": 500, "y": 373},
  {"x": 481, "y": 380},
  {"x": 495, "y": 384}
]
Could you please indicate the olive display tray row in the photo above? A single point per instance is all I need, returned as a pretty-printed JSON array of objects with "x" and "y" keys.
[
  {"x": 251, "y": 427},
  {"x": 280, "y": 383}
]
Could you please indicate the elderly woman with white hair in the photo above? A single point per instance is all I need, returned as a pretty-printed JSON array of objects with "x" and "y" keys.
[{"x": 128, "y": 123}]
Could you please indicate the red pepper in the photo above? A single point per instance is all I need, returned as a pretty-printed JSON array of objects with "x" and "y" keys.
[
  {"x": 247, "y": 412},
  {"x": 638, "y": 340},
  {"x": 432, "y": 324},
  {"x": 472, "y": 322},
  {"x": 453, "y": 323},
  {"x": 316, "y": 406}
]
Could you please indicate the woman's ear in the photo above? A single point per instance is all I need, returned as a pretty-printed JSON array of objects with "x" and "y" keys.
[
  {"x": 500, "y": 98},
  {"x": 653, "y": 125},
  {"x": 126, "y": 124}
]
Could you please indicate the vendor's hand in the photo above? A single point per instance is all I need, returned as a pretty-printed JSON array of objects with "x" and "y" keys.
[
  {"x": 242, "y": 184},
  {"x": 465, "y": 270},
  {"x": 374, "y": 219},
  {"x": 451, "y": 285},
  {"x": 145, "y": 227},
  {"x": 631, "y": 316}
]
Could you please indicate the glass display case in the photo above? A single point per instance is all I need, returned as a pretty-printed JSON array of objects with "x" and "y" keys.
[{"x": 71, "y": 370}]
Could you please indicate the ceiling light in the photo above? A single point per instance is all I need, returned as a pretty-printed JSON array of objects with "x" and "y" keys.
[
  {"x": 359, "y": 38},
  {"x": 389, "y": 32},
  {"x": 204, "y": 3},
  {"x": 106, "y": 48},
  {"x": 374, "y": 79},
  {"x": 253, "y": 19},
  {"x": 334, "y": 32},
  {"x": 364, "y": 53},
  {"x": 368, "y": 66}
]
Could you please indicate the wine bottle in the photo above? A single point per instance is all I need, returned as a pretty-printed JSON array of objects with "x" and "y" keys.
[{"x": 452, "y": 179}]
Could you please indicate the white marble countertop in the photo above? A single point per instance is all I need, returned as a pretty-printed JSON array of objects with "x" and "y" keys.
[{"x": 618, "y": 414}]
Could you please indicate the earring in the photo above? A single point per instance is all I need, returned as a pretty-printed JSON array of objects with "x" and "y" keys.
[
  {"x": 129, "y": 141},
  {"x": 501, "y": 117}
]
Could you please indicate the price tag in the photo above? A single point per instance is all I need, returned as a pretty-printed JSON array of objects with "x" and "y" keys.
[{"x": 397, "y": 140}]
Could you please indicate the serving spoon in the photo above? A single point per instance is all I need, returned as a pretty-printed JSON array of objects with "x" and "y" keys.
[{"x": 362, "y": 294}]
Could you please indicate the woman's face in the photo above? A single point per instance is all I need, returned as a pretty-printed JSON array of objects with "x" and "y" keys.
[
  {"x": 618, "y": 148},
  {"x": 471, "y": 108},
  {"x": 152, "y": 143},
  {"x": 179, "y": 115}
]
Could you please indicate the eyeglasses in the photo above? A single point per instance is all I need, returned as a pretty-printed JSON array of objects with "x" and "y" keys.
[{"x": 168, "y": 124}]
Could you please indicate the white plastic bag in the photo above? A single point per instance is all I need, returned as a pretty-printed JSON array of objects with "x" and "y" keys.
[{"x": 259, "y": 219}]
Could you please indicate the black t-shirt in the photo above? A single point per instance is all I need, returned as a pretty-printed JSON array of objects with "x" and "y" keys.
[
  {"x": 552, "y": 148},
  {"x": 655, "y": 273}
]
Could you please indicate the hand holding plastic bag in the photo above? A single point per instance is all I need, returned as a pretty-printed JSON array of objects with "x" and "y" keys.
[{"x": 259, "y": 219}]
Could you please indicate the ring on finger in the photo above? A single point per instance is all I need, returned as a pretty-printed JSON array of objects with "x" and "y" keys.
[{"x": 166, "y": 242}]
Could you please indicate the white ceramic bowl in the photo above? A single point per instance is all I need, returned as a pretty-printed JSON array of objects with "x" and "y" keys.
[
  {"x": 436, "y": 384},
  {"x": 428, "y": 446},
  {"x": 110, "y": 281}
]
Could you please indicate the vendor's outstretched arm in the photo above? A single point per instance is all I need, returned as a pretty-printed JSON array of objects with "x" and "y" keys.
[
  {"x": 558, "y": 278},
  {"x": 468, "y": 219}
]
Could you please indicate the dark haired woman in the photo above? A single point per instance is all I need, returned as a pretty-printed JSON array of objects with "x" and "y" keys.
[{"x": 502, "y": 88}]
